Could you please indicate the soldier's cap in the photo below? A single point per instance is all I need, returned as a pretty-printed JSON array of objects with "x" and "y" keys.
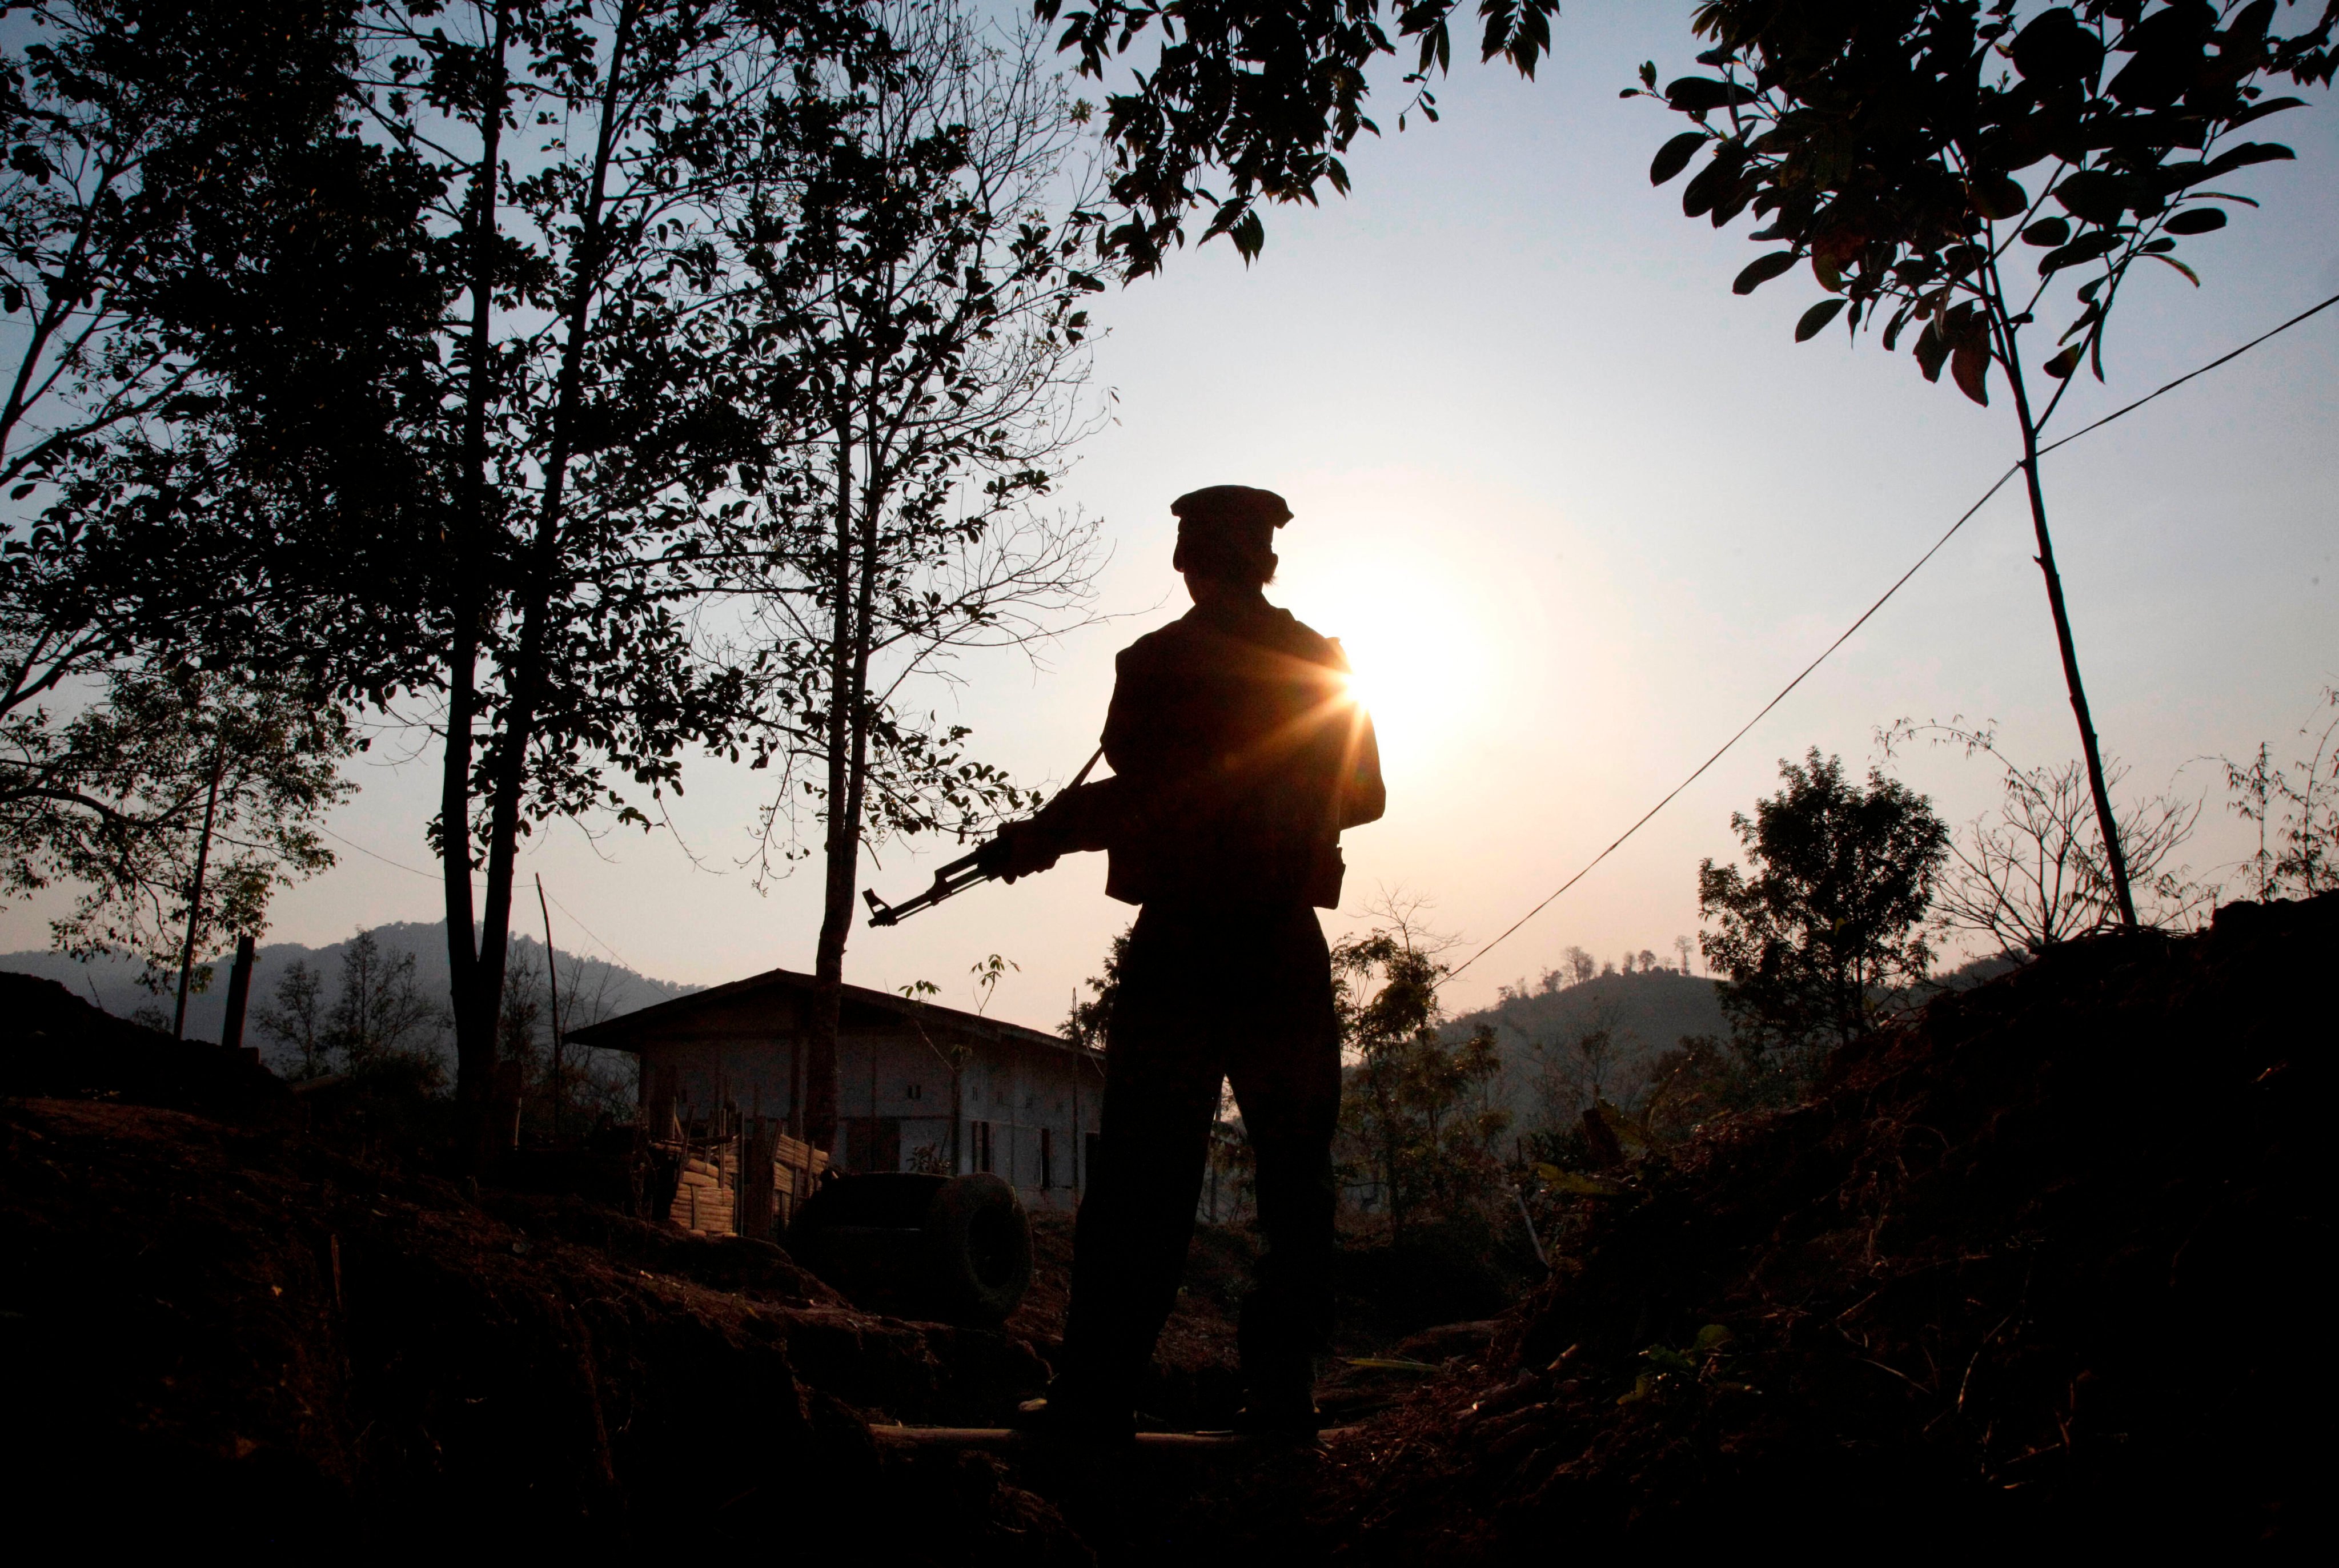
[{"x": 1228, "y": 530}]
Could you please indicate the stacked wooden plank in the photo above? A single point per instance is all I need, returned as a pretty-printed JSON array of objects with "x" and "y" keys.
[
  {"x": 711, "y": 1195},
  {"x": 704, "y": 1200}
]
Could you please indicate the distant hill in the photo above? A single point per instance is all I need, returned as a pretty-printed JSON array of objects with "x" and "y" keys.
[
  {"x": 591, "y": 989},
  {"x": 1645, "y": 1014}
]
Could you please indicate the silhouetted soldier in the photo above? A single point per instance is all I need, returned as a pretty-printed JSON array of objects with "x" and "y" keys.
[{"x": 1239, "y": 755}]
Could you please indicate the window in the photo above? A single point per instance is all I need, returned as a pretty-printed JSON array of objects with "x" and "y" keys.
[
  {"x": 982, "y": 1130},
  {"x": 1047, "y": 1159},
  {"x": 913, "y": 1092}
]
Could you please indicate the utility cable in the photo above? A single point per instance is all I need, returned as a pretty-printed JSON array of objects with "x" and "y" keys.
[
  {"x": 587, "y": 930},
  {"x": 1865, "y": 614},
  {"x": 438, "y": 876}
]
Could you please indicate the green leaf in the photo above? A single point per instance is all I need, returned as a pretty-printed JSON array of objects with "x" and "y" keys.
[
  {"x": 1932, "y": 351},
  {"x": 2196, "y": 221},
  {"x": 2061, "y": 366},
  {"x": 2101, "y": 242},
  {"x": 1713, "y": 1336},
  {"x": 2241, "y": 157},
  {"x": 1970, "y": 368},
  {"x": 2048, "y": 232},
  {"x": 2191, "y": 276},
  {"x": 1761, "y": 270},
  {"x": 1674, "y": 156},
  {"x": 1697, "y": 95},
  {"x": 1997, "y": 196},
  {"x": 2093, "y": 196},
  {"x": 1816, "y": 319}
]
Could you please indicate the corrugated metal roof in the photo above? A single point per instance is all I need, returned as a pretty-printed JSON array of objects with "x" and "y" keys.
[{"x": 619, "y": 1033}]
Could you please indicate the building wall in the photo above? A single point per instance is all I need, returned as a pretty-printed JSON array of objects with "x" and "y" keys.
[{"x": 896, "y": 1100}]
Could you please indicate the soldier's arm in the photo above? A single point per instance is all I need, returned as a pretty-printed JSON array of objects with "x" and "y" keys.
[
  {"x": 1363, "y": 797},
  {"x": 1359, "y": 796}
]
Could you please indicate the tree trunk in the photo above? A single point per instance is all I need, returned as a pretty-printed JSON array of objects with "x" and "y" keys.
[
  {"x": 527, "y": 670},
  {"x": 2115, "y": 856},
  {"x": 195, "y": 894},
  {"x": 842, "y": 839},
  {"x": 474, "y": 1046}
]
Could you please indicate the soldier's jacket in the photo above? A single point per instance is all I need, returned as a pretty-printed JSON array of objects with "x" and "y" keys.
[{"x": 1239, "y": 755}]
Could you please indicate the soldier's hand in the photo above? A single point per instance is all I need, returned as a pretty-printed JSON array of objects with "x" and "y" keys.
[{"x": 1021, "y": 849}]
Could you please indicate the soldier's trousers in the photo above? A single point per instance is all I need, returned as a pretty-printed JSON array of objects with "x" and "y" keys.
[{"x": 1239, "y": 993}]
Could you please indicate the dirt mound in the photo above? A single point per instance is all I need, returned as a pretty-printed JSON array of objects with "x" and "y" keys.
[
  {"x": 238, "y": 1333},
  {"x": 2040, "y": 1264},
  {"x": 53, "y": 1043}
]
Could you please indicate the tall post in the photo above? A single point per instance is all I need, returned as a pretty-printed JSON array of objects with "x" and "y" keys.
[
  {"x": 552, "y": 988},
  {"x": 238, "y": 994}
]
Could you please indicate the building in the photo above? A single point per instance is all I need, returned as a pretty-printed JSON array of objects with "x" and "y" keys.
[{"x": 919, "y": 1087}]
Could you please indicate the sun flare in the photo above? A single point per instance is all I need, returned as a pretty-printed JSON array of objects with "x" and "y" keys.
[{"x": 1419, "y": 654}]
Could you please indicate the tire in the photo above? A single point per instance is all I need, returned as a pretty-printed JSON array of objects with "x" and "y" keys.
[{"x": 978, "y": 1250}]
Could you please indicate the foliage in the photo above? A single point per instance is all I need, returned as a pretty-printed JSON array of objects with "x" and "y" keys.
[
  {"x": 1415, "y": 1110},
  {"x": 584, "y": 160},
  {"x": 1089, "y": 1021},
  {"x": 182, "y": 217},
  {"x": 987, "y": 975},
  {"x": 1690, "y": 1373},
  {"x": 1882, "y": 146},
  {"x": 912, "y": 276},
  {"x": 579, "y": 1079},
  {"x": 1268, "y": 95},
  {"x": 378, "y": 1021},
  {"x": 118, "y": 801},
  {"x": 295, "y": 1016},
  {"x": 2300, "y": 813},
  {"x": 2036, "y": 874},
  {"x": 1825, "y": 920}
]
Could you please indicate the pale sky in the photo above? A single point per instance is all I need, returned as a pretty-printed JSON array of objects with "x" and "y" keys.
[{"x": 1578, "y": 511}]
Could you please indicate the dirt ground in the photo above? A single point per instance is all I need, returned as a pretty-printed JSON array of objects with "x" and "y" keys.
[
  {"x": 2040, "y": 1265},
  {"x": 2033, "y": 1268}
]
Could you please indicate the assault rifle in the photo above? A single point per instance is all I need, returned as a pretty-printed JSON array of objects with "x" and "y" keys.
[{"x": 990, "y": 857}]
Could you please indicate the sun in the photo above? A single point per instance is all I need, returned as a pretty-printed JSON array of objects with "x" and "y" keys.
[{"x": 1418, "y": 652}]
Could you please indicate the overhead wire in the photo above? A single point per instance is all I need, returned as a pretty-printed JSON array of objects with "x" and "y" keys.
[{"x": 1866, "y": 614}]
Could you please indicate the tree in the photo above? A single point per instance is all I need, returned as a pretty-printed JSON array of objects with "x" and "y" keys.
[
  {"x": 1826, "y": 917},
  {"x": 295, "y": 1016},
  {"x": 178, "y": 805},
  {"x": 1682, "y": 945},
  {"x": 380, "y": 1010},
  {"x": 2034, "y": 874},
  {"x": 1881, "y": 145},
  {"x": 378, "y": 1021},
  {"x": 170, "y": 168},
  {"x": 1581, "y": 965},
  {"x": 1408, "y": 1107},
  {"x": 1262, "y": 97},
  {"x": 925, "y": 313},
  {"x": 2300, "y": 813},
  {"x": 1089, "y": 1021},
  {"x": 586, "y": 157}
]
